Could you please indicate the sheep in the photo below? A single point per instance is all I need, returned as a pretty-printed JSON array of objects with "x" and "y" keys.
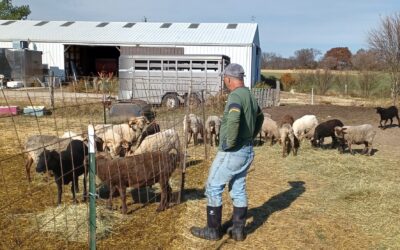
[
  {"x": 149, "y": 129},
  {"x": 303, "y": 125},
  {"x": 72, "y": 135},
  {"x": 162, "y": 141},
  {"x": 286, "y": 119},
  {"x": 270, "y": 130},
  {"x": 386, "y": 114},
  {"x": 287, "y": 136},
  {"x": 67, "y": 166},
  {"x": 118, "y": 135},
  {"x": 193, "y": 125},
  {"x": 34, "y": 146},
  {"x": 325, "y": 129},
  {"x": 213, "y": 125},
  {"x": 362, "y": 134},
  {"x": 138, "y": 171}
]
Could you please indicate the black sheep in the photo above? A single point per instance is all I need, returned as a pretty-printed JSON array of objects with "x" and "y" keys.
[
  {"x": 67, "y": 166},
  {"x": 386, "y": 114},
  {"x": 325, "y": 129}
]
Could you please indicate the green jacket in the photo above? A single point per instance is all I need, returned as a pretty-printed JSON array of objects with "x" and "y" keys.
[{"x": 242, "y": 120}]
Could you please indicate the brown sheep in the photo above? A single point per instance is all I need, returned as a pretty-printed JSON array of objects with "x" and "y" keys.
[
  {"x": 286, "y": 119},
  {"x": 138, "y": 171}
]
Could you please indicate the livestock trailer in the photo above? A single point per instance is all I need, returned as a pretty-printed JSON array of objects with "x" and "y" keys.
[{"x": 167, "y": 79}]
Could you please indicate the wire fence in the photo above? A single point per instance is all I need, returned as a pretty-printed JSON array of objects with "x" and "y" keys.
[{"x": 42, "y": 162}]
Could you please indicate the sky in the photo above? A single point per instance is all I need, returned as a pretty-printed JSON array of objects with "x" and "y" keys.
[{"x": 284, "y": 26}]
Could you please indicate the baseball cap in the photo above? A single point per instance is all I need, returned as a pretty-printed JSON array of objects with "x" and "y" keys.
[{"x": 234, "y": 70}]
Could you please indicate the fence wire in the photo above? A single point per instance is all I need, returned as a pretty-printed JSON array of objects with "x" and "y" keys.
[{"x": 30, "y": 216}]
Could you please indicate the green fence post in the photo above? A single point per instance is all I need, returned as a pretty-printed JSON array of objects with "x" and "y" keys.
[{"x": 92, "y": 189}]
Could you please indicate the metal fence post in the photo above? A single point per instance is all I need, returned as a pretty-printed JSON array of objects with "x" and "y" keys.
[{"x": 92, "y": 189}]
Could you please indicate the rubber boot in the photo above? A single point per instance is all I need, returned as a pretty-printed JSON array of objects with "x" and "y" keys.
[
  {"x": 213, "y": 229},
  {"x": 236, "y": 231}
]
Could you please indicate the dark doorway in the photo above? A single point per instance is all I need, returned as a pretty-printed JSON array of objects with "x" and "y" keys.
[{"x": 83, "y": 60}]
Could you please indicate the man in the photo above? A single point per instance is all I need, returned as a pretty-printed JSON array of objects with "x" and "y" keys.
[{"x": 241, "y": 123}]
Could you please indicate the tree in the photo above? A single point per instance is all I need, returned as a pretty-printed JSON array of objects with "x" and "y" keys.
[
  {"x": 385, "y": 40},
  {"x": 323, "y": 79},
  {"x": 305, "y": 58},
  {"x": 342, "y": 57},
  {"x": 10, "y": 12},
  {"x": 366, "y": 60}
]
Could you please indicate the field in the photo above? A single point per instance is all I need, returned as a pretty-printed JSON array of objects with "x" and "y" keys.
[{"x": 319, "y": 199}]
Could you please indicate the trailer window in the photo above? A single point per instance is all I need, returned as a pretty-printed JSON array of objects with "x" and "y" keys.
[
  {"x": 183, "y": 65},
  {"x": 140, "y": 65},
  {"x": 198, "y": 65},
  {"x": 155, "y": 65},
  {"x": 212, "y": 66},
  {"x": 169, "y": 65}
]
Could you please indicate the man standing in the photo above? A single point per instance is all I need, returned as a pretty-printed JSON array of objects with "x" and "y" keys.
[{"x": 241, "y": 123}]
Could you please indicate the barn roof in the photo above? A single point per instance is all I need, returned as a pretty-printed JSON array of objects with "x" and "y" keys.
[{"x": 129, "y": 33}]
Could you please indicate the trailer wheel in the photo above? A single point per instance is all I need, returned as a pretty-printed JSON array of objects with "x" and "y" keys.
[{"x": 170, "y": 101}]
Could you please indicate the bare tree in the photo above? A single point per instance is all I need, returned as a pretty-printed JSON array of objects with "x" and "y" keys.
[
  {"x": 386, "y": 41},
  {"x": 305, "y": 58}
]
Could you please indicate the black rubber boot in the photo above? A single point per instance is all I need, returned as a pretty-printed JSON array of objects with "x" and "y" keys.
[
  {"x": 236, "y": 231},
  {"x": 213, "y": 229}
]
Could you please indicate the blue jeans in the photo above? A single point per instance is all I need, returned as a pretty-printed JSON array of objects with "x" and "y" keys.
[{"x": 229, "y": 167}]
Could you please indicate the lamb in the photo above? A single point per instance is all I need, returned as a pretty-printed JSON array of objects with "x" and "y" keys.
[
  {"x": 213, "y": 125},
  {"x": 386, "y": 114},
  {"x": 138, "y": 171},
  {"x": 286, "y": 119},
  {"x": 325, "y": 129},
  {"x": 67, "y": 166},
  {"x": 287, "y": 136},
  {"x": 303, "y": 125},
  {"x": 270, "y": 130},
  {"x": 194, "y": 126},
  {"x": 116, "y": 136},
  {"x": 362, "y": 134}
]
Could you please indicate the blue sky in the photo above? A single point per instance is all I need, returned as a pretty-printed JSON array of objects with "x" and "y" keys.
[{"x": 285, "y": 25}]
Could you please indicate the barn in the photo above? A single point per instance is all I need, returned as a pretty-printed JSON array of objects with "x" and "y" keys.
[{"x": 85, "y": 46}]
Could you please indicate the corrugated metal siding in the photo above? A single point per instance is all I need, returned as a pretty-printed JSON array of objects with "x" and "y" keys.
[
  {"x": 140, "y": 33},
  {"x": 241, "y": 55}
]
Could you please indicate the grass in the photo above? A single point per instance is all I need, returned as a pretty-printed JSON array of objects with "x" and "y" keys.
[{"x": 381, "y": 88}]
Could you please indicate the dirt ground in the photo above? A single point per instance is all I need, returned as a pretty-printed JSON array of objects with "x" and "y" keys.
[{"x": 386, "y": 141}]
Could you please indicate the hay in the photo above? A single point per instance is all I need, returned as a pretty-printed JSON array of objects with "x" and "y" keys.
[{"x": 71, "y": 221}]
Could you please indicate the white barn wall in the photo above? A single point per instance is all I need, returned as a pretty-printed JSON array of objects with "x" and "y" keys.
[
  {"x": 241, "y": 55},
  {"x": 53, "y": 56}
]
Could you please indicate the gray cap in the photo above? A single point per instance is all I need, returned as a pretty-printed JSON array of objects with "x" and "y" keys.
[{"x": 234, "y": 70}]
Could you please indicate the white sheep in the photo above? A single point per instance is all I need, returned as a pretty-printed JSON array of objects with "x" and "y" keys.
[
  {"x": 193, "y": 125},
  {"x": 116, "y": 136},
  {"x": 303, "y": 125},
  {"x": 362, "y": 134},
  {"x": 161, "y": 141},
  {"x": 213, "y": 125},
  {"x": 270, "y": 130}
]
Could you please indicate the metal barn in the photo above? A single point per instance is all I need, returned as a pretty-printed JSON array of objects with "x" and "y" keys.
[{"x": 88, "y": 47}]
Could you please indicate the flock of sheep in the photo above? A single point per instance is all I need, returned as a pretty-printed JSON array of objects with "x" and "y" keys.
[{"x": 138, "y": 154}]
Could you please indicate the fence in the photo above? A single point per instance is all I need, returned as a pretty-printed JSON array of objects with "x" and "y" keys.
[
  {"x": 267, "y": 97},
  {"x": 30, "y": 216}
]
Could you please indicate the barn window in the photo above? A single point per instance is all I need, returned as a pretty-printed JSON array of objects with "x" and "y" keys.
[
  {"x": 67, "y": 24},
  {"x": 165, "y": 25},
  {"x": 41, "y": 23},
  {"x": 102, "y": 25},
  {"x": 231, "y": 26},
  {"x": 8, "y": 22},
  {"x": 194, "y": 25},
  {"x": 129, "y": 25}
]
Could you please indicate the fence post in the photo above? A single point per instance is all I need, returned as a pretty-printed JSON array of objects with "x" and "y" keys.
[
  {"x": 312, "y": 96},
  {"x": 51, "y": 87},
  {"x": 204, "y": 120},
  {"x": 92, "y": 189},
  {"x": 277, "y": 95}
]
